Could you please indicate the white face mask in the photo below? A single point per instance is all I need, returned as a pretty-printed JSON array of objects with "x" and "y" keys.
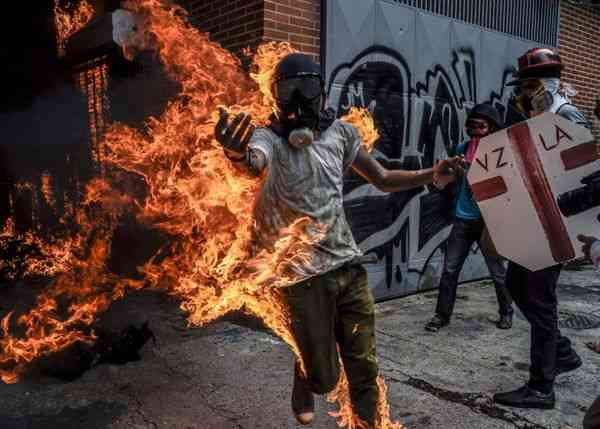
[{"x": 550, "y": 94}]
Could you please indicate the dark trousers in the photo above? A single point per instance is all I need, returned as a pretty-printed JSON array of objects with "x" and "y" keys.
[
  {"x": 464, "y": 233},
  {"x": 335, "y": 310},
  {"x": 534, "y": 292}
]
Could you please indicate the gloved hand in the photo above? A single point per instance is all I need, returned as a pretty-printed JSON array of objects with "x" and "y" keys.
[{"x": 234, "y": 136}]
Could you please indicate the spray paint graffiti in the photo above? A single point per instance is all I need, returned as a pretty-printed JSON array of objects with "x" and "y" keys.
[{"x": 419, "y": 123}]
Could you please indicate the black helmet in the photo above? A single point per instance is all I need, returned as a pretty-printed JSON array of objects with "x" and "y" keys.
[
  {"x": 298, "y": 89},
  {"x": 488, "y": 112},
  {"x": 297, "y": 77},
  {"x": 294, "y": 65}
]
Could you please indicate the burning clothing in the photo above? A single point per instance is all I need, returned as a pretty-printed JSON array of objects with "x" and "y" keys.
[
  {"x": 331, "y": 306},
  {"x": 308, "y": 182},
  {"x": 334, "y": 309}
]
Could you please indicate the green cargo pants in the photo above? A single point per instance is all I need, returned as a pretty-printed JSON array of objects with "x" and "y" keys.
[{"x": 333, "y": 309}]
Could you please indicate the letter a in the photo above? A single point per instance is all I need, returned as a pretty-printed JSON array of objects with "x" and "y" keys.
[{"x": 561, "y": 134}]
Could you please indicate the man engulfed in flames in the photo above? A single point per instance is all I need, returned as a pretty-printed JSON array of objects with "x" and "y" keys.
[
  {"x": 303, "y": 153},
  {"x": 292, "y": 263}
]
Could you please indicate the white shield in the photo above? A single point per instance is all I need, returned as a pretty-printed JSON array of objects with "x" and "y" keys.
[{"x": 517, "y": 177}]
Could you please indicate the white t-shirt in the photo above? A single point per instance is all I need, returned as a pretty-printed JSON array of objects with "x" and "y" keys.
[{"x": 308, "y": 182}]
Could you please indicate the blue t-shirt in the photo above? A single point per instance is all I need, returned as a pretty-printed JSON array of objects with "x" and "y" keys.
[{"x": 466, "y": 206}]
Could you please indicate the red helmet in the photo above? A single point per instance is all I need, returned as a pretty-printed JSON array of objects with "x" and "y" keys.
[{"x": 538, "y": 63}]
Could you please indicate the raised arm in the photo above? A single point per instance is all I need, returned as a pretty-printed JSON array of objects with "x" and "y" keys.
[
  {"x": 235, "y": 136},
  {"x": 402, "y": 180}
]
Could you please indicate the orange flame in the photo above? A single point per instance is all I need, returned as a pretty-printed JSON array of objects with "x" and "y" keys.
[
  {"x": 47, "y": 192},
  {"x": 93, "y": 82},
  {"x": 194, "y": 194},
  {"x": 69, "y": 22},
  {"x": 51, "y": 258},
  {"x": 83, "y": 282},
  {"x": 363, "y": 121},
  {"x": 345, "y": 416},
  {"x": 266, "y": 59}
]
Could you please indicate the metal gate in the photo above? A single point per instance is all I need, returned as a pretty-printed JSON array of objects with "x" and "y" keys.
[{"x": 419, "y": 73}]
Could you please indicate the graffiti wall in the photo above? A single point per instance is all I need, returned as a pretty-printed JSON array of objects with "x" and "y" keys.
[{"x": 419, "y": 74}]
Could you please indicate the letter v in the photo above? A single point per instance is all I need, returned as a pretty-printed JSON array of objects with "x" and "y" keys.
[{"x": 484, "y": 166}]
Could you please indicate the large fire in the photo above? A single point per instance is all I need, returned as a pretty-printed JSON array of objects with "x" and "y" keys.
[
  {"x": 69, "y": 19},
  {"x": 194, "y": 195}
]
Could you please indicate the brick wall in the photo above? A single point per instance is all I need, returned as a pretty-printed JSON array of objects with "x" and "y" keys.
[
  {"x": 579, "y": 45},
  {"x": 237, "y": 24},
  {"x": 295, "y": 21}
]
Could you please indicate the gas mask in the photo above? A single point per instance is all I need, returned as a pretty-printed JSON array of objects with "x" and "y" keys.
[
  {"x": 537, "y": 97},
  {"x": 299, "y": 100},
  {"x": 544, "y": 95}
]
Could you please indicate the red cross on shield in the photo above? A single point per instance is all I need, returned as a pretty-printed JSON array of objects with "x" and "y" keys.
[{"x": 517, "y": 175}]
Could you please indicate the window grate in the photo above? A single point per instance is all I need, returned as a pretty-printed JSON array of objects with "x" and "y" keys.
[{"x": 535, "y": 20}]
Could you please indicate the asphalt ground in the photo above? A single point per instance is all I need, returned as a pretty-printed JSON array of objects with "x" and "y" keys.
[{"x": 234, "y": 374}]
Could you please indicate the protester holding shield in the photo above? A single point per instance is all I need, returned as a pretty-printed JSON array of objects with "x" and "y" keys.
[{"x": 539, "y": 90}]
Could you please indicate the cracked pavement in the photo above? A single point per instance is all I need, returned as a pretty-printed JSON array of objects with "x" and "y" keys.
[{"x": 232, "y": 374}]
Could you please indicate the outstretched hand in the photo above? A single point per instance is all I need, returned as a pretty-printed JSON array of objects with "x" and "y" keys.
[
  {"x": 587, "y": 244},
  {"x": 445, "y": 171},
  {"x": 234, "y": 135}
]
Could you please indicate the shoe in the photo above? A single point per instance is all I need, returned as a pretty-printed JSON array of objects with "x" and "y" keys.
[
  {"x": 303, "y": 403},
  {"x": 505, "y": 322},
  {"x": 594, "y": 346},
  {"x": 436, "y": 323},
  {"x": 526, "y": 397},
  {"x": 570, "y": 363}
]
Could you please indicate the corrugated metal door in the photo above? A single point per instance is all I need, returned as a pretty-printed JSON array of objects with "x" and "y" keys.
[{"x": 420, "y": 72}]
